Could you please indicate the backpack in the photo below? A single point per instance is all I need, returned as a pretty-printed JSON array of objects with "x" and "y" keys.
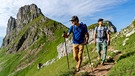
[
  {"x": 101, "y": 33},
  {"x": 84, "y": 25}
]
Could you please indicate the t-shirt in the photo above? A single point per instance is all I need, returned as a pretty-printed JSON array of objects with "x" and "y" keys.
[
  {"x": 101, "y": 32},
  {"x": 78, "y": 33}
]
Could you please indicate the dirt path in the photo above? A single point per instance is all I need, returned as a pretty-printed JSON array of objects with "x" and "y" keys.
[{"x": 100, "y": 70}]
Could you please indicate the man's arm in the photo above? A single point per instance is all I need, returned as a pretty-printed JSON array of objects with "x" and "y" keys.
[
  {"x": 86, "y": 35},
  {"x": 66, "y": 35},
  {"x": 108, "y": 38},
  {"x": 87, "y": 38}
]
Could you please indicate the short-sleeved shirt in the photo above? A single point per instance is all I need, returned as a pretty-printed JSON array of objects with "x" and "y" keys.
[
  {"x": 78, "y": 33},
  {"x": 100, "y": 33}
]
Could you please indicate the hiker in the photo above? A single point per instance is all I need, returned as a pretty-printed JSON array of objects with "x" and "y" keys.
[
  {"x": 79, "y": 30},
  {"x": 101, "y": 40}
]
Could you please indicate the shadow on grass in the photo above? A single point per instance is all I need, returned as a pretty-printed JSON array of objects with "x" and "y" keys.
[{"x": 126, "y": 55}]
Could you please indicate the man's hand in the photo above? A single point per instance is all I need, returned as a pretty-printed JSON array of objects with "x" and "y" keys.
[
  {"x": 64, "y": 35},
  {"x": 86, "y": 42}
]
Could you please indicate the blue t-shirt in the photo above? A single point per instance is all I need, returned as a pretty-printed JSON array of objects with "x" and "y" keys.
[
  {"x": 101, "y": 32},
  {"x": 78, "y": 33}
]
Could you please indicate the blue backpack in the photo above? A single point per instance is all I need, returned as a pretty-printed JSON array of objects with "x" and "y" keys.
[{"x": 82, "y": 26}]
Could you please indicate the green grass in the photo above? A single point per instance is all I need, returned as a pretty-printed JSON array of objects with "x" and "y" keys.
[
  {"x": 9, "y": 63},
  {"x": 124, "y": 67},
  {"x": 125, "y": 63}
]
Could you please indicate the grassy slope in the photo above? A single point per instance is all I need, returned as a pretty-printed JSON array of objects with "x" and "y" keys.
[
  {"x": 125, "y": 63},
  {"x": 60, "y": 66},
  {"x": 48, "y": 50}
]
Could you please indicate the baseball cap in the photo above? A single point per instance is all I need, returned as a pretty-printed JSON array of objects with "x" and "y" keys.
[
  {"x": 100, "y": 19},
  {"x": 74, "y": 18}
]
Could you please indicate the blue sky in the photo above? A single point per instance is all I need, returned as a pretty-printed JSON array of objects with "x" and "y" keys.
[{"x": 120, "y": 12}]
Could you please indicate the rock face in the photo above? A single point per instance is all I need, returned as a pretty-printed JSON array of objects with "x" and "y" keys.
[
  {"x": 10, "y": 29},
  {"x": 111, "y": 27},
  {"x": 11, "y": 25},
  {"x": 61, "y": 48},
  {"x": 128, "y": 31},
  {"x": 25, "y": 15}
]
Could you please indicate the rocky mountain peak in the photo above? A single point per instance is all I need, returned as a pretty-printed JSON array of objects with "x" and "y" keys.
[
  {"x": 11, "y": 25},
  {"x": 27, "y": 13},
  {"x": 112, "y": 28}
]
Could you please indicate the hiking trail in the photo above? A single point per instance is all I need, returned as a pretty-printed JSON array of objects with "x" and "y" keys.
[{"x": 100, "y": 70}]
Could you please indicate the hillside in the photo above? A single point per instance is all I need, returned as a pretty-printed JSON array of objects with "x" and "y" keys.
[
  {"x": 32, "y": 38},
  {"x": 125, "y": 42}
]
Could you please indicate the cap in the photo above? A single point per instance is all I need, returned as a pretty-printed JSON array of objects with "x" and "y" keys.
[
  {"x": 100, "y": 19},
  {"x": 74, "y": 18}
]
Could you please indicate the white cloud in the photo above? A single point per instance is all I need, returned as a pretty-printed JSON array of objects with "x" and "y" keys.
[{"x": 60, "y": 10}]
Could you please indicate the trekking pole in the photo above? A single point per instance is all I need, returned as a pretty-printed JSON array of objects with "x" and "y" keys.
[
  {"x": 66, "y": 52},
  {"x": 89, "y": 57}
]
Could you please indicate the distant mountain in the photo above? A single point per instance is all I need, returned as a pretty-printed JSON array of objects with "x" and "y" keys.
[
  {"x": 29, "y": 26},
  {"x": 25, "y": 15},
  {"x": 30, "y": 39}
]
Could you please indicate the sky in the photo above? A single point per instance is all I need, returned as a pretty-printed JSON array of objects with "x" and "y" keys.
[{"x": 120, "y": 12}]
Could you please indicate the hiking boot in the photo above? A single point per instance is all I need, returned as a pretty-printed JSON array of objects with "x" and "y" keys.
[
  {"x": 102, "y": 63},
  {"x": 99, "y": 58},
  {"x": 77, "y": 69}
]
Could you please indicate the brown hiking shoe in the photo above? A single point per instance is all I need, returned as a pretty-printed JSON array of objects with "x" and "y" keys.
[
  {"x": 77, "y": 69},
  {"x": 102, "y": 63},
  {"x": 99, "y": 58}
]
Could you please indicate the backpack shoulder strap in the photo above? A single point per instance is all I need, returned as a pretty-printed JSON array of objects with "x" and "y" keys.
[
  {"x": 105, "y": 28},
  {"x": 84, "y": 27},
  {"x": 96, "y": 29}
]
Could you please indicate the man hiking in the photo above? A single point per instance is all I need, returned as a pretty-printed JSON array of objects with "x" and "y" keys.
[
  {"x": 101, "y": 40},
  {"x": 79, "y": 30}
]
